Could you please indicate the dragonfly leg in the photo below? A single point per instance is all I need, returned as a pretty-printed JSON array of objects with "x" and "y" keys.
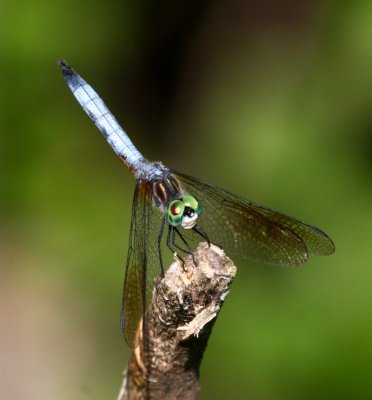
[
  {"x": 171, "y": 241},
  {"x": 172, "y": 244},
  {"x": 200, "y": 231},
  {"x": 188, "y": 251},
  {"x": 160, "y": 236}
]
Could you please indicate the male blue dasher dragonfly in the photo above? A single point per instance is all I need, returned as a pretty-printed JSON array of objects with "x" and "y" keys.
[{"x": 188, "y": 210}]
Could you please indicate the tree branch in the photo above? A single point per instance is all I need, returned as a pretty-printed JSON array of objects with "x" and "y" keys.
[{"x": 185, "y": 304}]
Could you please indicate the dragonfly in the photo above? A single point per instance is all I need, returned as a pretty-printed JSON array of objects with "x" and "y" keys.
[{"x": 181, "y": 209}]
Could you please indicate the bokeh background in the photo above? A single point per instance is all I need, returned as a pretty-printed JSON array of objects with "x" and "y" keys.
[{"x": 270, "y": 99}]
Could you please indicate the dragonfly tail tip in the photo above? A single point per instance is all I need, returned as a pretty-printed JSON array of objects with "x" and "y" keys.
[{"x": 66, "y": 69}]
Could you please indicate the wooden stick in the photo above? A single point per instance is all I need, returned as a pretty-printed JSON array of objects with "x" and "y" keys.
[{"x": 183, "y": 310}]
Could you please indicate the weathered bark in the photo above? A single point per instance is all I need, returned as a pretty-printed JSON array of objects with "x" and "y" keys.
[{"x": 182, "y": 313}]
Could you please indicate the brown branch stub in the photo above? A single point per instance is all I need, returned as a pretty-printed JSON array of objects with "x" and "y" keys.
[{"x": 182, "y": 313}]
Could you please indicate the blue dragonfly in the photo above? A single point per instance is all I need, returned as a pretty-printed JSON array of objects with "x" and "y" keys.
[{"x": 184, "y": 210}]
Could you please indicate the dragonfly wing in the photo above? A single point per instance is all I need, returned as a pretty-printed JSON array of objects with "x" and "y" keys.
[
  {"x": 251, "y": 231},
  {"x": 142, "y": 262}
]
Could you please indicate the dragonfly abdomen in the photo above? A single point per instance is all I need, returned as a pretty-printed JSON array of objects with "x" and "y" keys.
[{"x": 98, "y": 112}]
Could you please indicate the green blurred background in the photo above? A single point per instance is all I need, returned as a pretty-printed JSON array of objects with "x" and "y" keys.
[{"x": 271, "y": 100}]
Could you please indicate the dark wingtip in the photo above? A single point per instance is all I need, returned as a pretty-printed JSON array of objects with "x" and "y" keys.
[{"x": 65, "y": 68}]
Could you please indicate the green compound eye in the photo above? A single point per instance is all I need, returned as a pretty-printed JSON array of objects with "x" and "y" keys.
[
  {"x": 175, "y": 212},
  {"x": 183, "y": 212},
  {"x": 191, "y": 202}
]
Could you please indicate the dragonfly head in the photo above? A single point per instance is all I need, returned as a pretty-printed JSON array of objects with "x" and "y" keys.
[{"x": 183, "y": 212}]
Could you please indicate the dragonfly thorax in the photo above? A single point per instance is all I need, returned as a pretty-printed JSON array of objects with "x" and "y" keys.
[{"x": 165, "y": 190}]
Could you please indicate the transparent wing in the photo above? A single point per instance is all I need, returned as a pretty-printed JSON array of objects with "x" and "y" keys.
[
  {"x": 251, "y": 231},
  {"x": 143, "y": 263}
]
